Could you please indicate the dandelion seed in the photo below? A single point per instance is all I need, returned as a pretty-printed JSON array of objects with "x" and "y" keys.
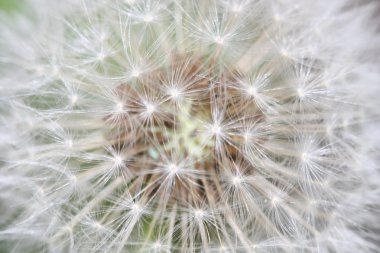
[
  {"x": 173, "y": 169},
  {"x": 100, "y": 56},
  {"x": 252, "y": 91},
  {"x": 284, "y": 52},
  {"x": 55, "y": 70},
  {"x": 305, "y": 157},
  {"x": 199, "y": 214},
  {"x": 237, "y": 8},
  {"x": 150, "y": 108},
  {"x": 174, "y": 93},
  {"x": 216, "y": 130},
  {"x": 157, "y": 245},
  {"x": 74, "y": 99},
  {"x": 119, "y": 107},
  {"x": 236, "y": 180},
  {"x": 136, "y": 208},
  {"x": 219, "y": 40},
  {"x": 118, "y": 160},
  {"x": 136, "y": 73},
  {"x": 98, "y": 226},
  {"x": 301, "y": 93},
  {"x": 148, "y": 18},
  {"x": 69, "y": 143}
]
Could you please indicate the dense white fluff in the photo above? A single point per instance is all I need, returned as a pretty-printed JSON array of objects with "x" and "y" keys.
[{"x": 190, "y": 126}]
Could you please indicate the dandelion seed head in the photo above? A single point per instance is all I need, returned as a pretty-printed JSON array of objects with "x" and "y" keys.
[{"x": 189, "y": 126}]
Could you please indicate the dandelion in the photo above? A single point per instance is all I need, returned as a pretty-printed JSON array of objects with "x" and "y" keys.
[{"x": 189, "y": 126}]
